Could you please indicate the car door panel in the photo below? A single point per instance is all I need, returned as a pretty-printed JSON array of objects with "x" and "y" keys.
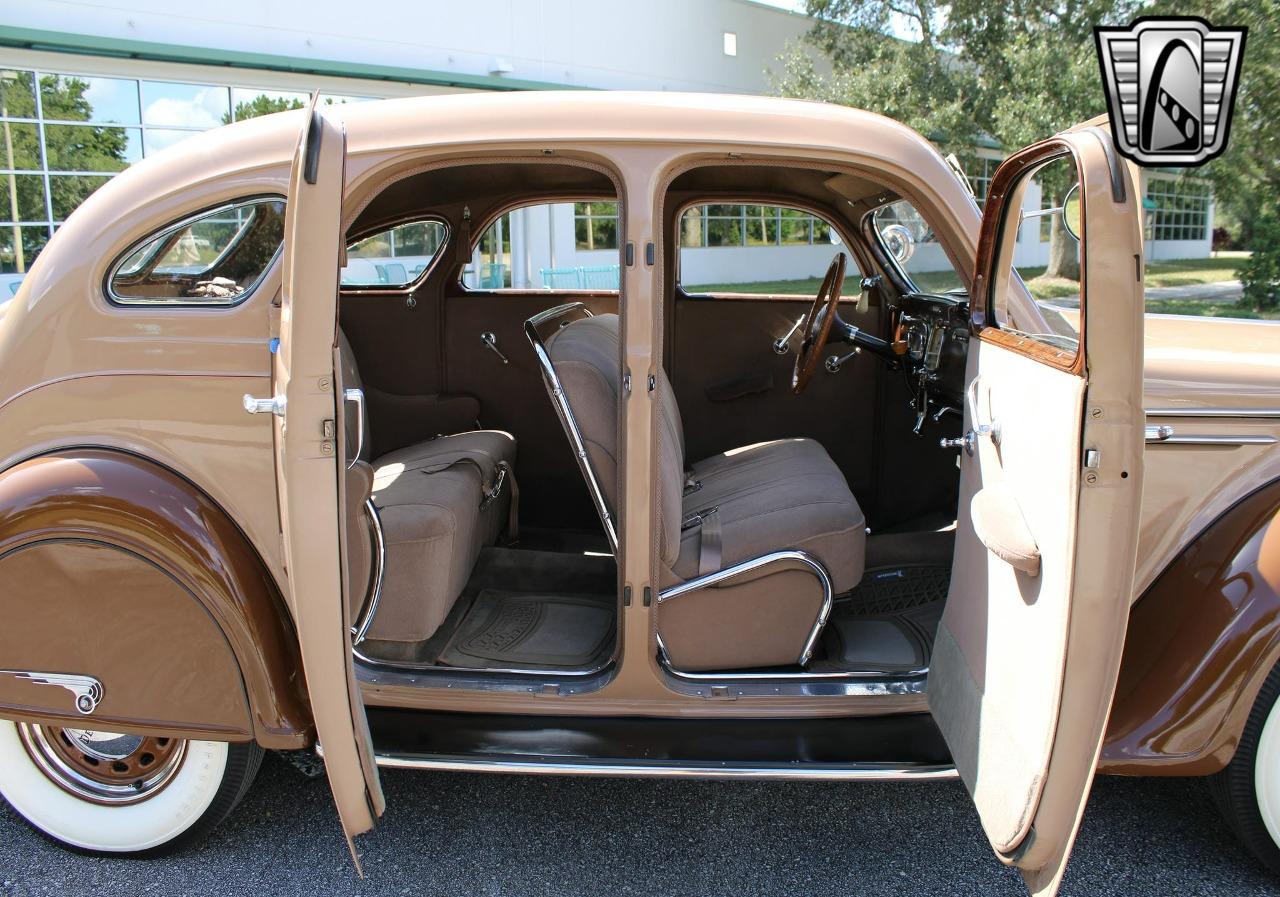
[
  {"x": 512, "y": 396},
  {"x": 305, "y": 406},
  {"x": 1025, "y": 665}
]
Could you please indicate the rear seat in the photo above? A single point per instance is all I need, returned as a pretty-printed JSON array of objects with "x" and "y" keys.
[{"x": 439, "y": 502}]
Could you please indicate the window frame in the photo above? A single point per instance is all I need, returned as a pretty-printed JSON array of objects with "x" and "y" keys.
[
  {"x": 886, "y": 259},
  {"x": 446, "y": 242},
  {"x": 488, "y": 222},
  {"x": 858, "y": 255},
  {"x": 118, "y": 301}
]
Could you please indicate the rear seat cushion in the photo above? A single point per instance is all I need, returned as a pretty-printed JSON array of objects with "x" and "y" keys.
[
  {"x": 429, "y": 503},
  {"x": 777, "y": 495}
]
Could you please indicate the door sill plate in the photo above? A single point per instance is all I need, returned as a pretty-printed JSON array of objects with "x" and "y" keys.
[{"x": 861, "y": 772}]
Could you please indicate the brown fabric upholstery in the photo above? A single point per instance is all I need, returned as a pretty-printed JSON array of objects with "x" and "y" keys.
[
  {"x": 437, "y": 509},
  {"x": 786, "y": 494},
  {"x": 782, "y": 494}
]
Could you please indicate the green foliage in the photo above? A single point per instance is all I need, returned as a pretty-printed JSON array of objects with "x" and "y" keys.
[
  {"x": 1261, "y": 274},
  {"x": 261, "y": 105}
]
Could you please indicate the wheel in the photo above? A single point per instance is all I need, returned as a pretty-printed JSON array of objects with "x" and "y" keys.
[
  {"x": 107, "y": 793},
  {"x": 1248, "y": 790}
]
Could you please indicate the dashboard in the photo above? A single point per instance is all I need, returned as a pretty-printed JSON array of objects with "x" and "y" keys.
[{"x": 934, "y": 329}]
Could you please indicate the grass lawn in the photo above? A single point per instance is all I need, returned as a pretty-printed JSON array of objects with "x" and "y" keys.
[{"x": 1162, "y": 273}]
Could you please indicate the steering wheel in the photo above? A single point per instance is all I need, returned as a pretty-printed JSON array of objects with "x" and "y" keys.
[{"x": 813, "y": 342}]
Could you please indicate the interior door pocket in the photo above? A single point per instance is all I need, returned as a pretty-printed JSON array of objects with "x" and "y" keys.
[
  {"x": 739, "y": 386},
  {"x": 1001, "y": 526}
]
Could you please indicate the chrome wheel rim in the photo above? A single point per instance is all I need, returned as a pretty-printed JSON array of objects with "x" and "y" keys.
[{"x": 103, "y": 767}]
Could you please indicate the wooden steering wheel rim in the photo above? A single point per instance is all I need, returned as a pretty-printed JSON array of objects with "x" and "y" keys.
[{"x": 812, "y": 344}]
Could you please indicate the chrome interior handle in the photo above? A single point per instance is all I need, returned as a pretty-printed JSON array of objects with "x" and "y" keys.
[
  {"x": 356, "y": 397},
  {"x": 490, "y": 341},
  {"x": 990, "y": 429}
]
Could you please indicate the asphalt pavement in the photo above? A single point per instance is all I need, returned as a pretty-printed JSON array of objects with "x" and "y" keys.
[{"x": 460, "y": 834}]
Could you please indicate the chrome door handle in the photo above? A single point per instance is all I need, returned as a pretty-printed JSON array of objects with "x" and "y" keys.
[
  {"x": 356, "y": 397},
  {"x": 273, "y": 405},
  {"x": 990, "y": 429},
  {"x": 1159, "y": 433},
  {"x": 490, "y": 341}
]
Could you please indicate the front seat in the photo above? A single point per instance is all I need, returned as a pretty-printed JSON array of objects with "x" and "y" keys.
[
  {"x": 720, "y": 514},
  {"x": 438, "y": 503}
]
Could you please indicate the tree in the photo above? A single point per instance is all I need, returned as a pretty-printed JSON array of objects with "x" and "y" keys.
[
  {"x": 1012, "y": 70},
  {"x": 262, "y": 104},
  {"x": 1246, "y": 178},
  {"x": 68, "y": 148}
]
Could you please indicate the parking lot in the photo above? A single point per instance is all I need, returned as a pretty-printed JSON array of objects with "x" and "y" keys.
[{"x": 455, "y": 834}]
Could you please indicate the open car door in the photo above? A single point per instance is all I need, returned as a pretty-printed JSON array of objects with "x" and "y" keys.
[
  {"x": 308, "y": 444},
  {"x": 1027, "y": 654}
]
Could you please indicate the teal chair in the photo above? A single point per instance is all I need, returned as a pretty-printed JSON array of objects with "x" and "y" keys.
[
  {"x": 493, "y": 276},
  {"x": 561, "y": 278},
  {"x": 600, "y": 277}
]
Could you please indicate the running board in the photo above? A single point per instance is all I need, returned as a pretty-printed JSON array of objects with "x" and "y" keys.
[
  {"x": 898, "y": 747},
  {"x": 854, "y": 772}
]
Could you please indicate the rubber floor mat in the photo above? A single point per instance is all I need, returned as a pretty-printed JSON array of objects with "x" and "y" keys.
[
  {"x": 888, "y": 622},
  {"x": 515, "y": 630}
]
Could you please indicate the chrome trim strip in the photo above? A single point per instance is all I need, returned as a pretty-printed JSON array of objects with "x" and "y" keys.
[
  {"x": 1214, "y": 412},
  {"x": 565, "y": 413},
  {"x": 1213, "y": 440},
  {"x": 361, "y": 627},
  {"x": 863, "y": 772},
  {"x": 765, "y": 560}
]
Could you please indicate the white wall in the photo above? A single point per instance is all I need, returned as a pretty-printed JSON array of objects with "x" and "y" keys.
[{"x": 653, "y": 45}]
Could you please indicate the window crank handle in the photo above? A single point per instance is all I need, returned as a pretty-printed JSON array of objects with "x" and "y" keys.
[{"x": 490, "y": 342}]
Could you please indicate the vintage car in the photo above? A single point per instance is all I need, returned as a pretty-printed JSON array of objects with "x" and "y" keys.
[{"x": 638, "y": 528}]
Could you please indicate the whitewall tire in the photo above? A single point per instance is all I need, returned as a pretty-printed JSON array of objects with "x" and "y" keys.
[
  {"x": 117, "y": 794},
  {"x": 1248, "y": 790}
]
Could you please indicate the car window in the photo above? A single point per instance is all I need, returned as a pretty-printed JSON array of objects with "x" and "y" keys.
[
  {"x": 1045, "y": 254},
  {"x": 770, "y": 250},
  {"x": 557, "y": 247},
  {"x": 215, "y": 259},
  {"x": 395, "y": 257},
  {"x": 909, "y": 242}
]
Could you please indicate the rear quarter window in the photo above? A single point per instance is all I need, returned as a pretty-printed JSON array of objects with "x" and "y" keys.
[{"x": 215, "y": 258}]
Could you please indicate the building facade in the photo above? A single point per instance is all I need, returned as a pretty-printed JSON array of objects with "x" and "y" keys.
[{"x": 86, "y": 91}]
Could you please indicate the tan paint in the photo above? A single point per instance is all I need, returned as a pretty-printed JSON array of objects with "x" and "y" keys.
[{"x": 65, "y": 348}]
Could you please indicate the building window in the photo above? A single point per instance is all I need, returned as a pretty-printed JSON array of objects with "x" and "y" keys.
[
  {"x": 1180, "y": 208},
  {"x": 750, "y": 225},
  {"x": 979, "y": 170},
  {"x": 730, "y": 43},
  {"x": 62, "y": 136},
  {"x": 595, "y": 225}
]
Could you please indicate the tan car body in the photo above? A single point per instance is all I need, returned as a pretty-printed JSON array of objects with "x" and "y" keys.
[{"x": 97, "y": 401}]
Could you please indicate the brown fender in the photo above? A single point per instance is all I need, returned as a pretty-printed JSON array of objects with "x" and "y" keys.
[
  {"x": 116, "y": 568},
  {"x": 1201, "y": 642}
]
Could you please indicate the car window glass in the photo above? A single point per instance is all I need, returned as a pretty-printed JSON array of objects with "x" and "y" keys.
[
  {"x": 395, "y": 257},
  {"x": 557, "y": 247},
  {"x": 1044, "y": 258},
  {"x": 910, "y": 243},
  {"x": 762, "y": 249},
  {"x": 215, "y": 259}
]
